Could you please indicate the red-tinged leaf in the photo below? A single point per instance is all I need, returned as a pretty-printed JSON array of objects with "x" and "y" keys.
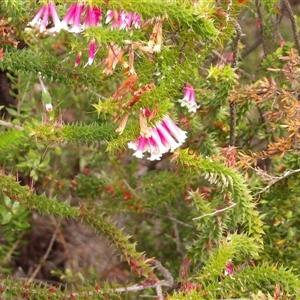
[
  {"x": 86, "y": 171},
  {"x": 281, "y": 42},
  {"x": 97, "y": 288},
  {"x": 52, "y": 289},
  {"x": 127, "y": 195},
  {"x": 258, "y": 23},
  {"x": 110, "y": 190}
]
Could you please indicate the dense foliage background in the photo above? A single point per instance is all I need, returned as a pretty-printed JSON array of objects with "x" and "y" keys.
[{"x": 214, "y": 217}]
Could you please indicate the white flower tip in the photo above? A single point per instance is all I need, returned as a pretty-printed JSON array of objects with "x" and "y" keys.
[
  {"x": 49, "y": 107},
  {"x": 58, "y": 27},
  {"x": 192, "y": 110},
  {"x": 132, "y": 145},
  {"x": 183, "y": 102},
  {"x": 138, "y": 154},
  {"x": 157, "y": 48},
  {"x": 63, "y": 25},
  {"x": 32, "y": 23},
  {"x": 90, "y": 61},
  {"x": 154, "y": 157},
  {"x": 174, "y": 146},
  {"x": 42, "y": 28},
  {"x": 75, "y": 29}
]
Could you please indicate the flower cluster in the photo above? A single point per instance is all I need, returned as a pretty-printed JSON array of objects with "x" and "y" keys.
[
  {"x": 92, "y": 53},
  {"x": 41, "y": 18},
  {"x": 189, "y": 99},
  {"x": 163, "y": 137},
  {"x": 73, "y": 18},
  {"x": 80, "y": 17},
  {"x": 123, "y": 19}
]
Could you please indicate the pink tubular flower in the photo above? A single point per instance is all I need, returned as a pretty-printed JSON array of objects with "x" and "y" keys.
[
  {"x": 136, "y": 20},
  {"x": 126, "y": 20},
  {"x": 189, "y": 99},
  {"x": 54, "y": 15},
  {"x": 141, "y": 147},
  {"x": 156, "y": 141},
  {"x": 174, "y": 130},
  {"x": 109, "y": 16},
  {"x": 123, "y": 20},
  {"x": 229, "y": 269},
  {"x": 78, "y": 59},
  {"x": 133, "y": 145},
  {"x": 93, "y": 17},
  {"x": 42, "y": 17},
  {"x": 45, "y": 19},
  {"x": 166, "y": 138},
  {"x": 73, "y": 17},
  {"x": 120, "y": 20},
  {"x": 76, "y": 28},
  {"x": 38, "y": 16},
  {"x": 161, "y": 140},
  {"x": 92, "y": 52},
  {"x": 69, "y": 15},
  {"x": 115, "y": 17}
]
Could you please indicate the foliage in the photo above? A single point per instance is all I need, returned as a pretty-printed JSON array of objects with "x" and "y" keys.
[{"x": 215, "y": 204}]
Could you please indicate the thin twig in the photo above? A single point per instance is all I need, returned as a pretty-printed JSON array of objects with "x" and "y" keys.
[
  {"x": 237, "y": 39},
  {"x": 180, "y": 222},
  {"x": 42, "y": 282},
  {"x": 20, "y": 101},
  {"x": 232, "y": 105},
  {"x": 8, "y": 255},
  {"x": 237, "y": 299},
  {"x": 63, "y": 242},
  {"x": 262, "y": 31},
  {"x": 159, "y": 292},
  {"x": 272, "y": 179},
  {"x": 131, "y": 189},
  {"x": 176, "y": 231},
  {"x": 251, "y": 48},
  {"x": 169, "y": 280},
  {"x": 215, "y": 212},
  {"x": 294, "y": 23},
  {"x": 133, "y": 288},
  {"x": 278, "y": 20},
  {"x": 224, "y": 60},
  {"x": 95, "y": 93},
  {"x": 182, "y": 50},
  {"x": 10, "y": 125},
  {"x": 45, "y": 256}
]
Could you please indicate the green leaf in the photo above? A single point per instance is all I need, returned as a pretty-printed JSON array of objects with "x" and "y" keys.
[
  {"x": 15, "y": 207},
  {"x": 6, "y": 218},
  {"x": 12, "y": 112},
  {"x": 7, "y": 201}
]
